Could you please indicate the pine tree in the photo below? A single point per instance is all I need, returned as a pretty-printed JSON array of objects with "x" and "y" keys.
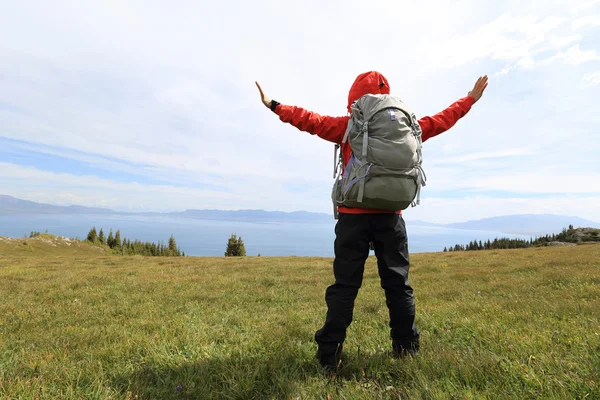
[
  {"x": 92, "y": 235},
  {"x": 117, "y": 241},
  {"x": 101, "y": 237},
  {"x": 235, "y": 247},
  {"x": 111, "y": 239},
  {"x": 172, "y": 246}
]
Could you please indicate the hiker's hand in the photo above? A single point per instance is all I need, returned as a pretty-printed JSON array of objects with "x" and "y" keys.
[
  {"x": 266, "y": 101},
  {"x": 479, "y": 87}
]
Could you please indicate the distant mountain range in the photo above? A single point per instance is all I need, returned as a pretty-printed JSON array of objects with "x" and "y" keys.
[
  {"x": 10, "y": 205},
  {"x": 526, "y": 224}
]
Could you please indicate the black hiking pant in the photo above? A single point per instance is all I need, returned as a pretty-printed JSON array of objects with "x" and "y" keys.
[{"x": 353, "y": 234}]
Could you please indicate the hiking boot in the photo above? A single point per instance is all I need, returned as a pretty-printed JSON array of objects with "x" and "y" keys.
[
  {"x": 330, "y": 361},
  {"x": 405, "y": 349}
]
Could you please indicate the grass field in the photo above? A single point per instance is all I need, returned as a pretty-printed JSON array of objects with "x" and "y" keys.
[{"x": 76, "y": 323}]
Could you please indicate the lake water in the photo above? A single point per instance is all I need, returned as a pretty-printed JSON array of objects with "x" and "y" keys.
[{"x": 209, "y": 238}]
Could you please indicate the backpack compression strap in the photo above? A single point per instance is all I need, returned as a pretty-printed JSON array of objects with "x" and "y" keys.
[{"x": 361, "y": 187}]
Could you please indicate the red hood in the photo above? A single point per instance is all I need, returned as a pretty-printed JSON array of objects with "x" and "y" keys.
[{"x": 371, "y": 82}]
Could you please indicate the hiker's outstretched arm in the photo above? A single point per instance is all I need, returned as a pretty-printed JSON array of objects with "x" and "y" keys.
[
  {"x": 329, "y": 128},
  {"x": 441, "y": 122}
]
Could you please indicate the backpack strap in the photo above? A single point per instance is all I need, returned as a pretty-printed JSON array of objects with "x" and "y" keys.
[
  {"x": 421, "y": 177},
  {"x": 337, "y": 172},
  {"x": 354, "y": 120},
  {"x": 361, "y": 187},
  {"x": 348, "y": 129},
  {"x": 365, "y": 132},
  {"x": 336, "y": 162}
]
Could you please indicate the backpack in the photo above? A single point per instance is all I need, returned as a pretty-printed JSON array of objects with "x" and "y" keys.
[{"x": 384, "y": 171}]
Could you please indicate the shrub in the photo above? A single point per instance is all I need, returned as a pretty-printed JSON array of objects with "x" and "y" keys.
[{"x": 235, "y": 247}]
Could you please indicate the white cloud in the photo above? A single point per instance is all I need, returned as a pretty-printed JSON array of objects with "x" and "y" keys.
[
  {"x": 574, "y": 56},
  {"x": 508, "y": 38},
  {"x": 592, "y": 78},
  {"x": 482, "y": 156},
  {"x": 516, "y": 177},
  {"x": 65, "y": 189},
  {"x": 505, "y": 70},
  {"x": 519, "y": 40},
  {"x": 584, "y": 6},
  {"x": 587, "y": 21},
  {"x": 541, "y": 182},
  {"x": 522, "y": 41}
]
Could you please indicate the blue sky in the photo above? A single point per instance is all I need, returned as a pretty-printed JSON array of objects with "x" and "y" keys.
[{"x": 141, "y": 105}]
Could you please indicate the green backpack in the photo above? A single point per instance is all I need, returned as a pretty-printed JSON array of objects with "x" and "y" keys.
[{"x": 384, "y": 171}]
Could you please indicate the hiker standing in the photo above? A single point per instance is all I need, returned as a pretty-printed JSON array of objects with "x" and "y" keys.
[{"x": 359, "y": 227}]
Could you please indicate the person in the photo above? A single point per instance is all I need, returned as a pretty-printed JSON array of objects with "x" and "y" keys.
[{"x": 356, "y": 229}]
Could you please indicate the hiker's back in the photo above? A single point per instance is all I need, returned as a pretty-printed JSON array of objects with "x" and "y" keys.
[{"x": 384, "y": 171}]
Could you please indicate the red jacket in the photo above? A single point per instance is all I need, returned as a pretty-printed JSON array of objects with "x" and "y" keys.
[{"x": 333, "y": 128}]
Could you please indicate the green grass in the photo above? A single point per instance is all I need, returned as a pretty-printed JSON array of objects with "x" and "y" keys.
[{"x": 76, "y": 323}]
